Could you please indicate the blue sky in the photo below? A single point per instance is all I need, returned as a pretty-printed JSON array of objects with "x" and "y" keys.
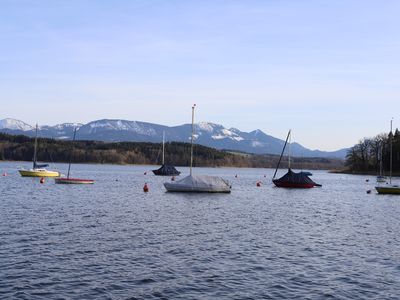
[{"x": 330, "y": 70}]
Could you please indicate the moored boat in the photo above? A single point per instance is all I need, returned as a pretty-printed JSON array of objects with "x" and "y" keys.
[
  {"x": 38, "y": 170},
  {"x": 165, "y": 170},
  {"x": 292, "y": 179},
  {"x": 69, "y": 180},
  {"x": 38, "y": 173},
  {"x": 389, "y": 188},
  {"x": 198, "y": 183}
]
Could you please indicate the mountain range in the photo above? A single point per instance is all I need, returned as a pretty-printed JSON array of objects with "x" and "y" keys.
[{"x": 206, "y": 133}]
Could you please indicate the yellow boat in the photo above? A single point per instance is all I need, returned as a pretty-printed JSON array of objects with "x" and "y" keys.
[
  {"x": 389, "y": 189},
  {"x": 38, "y": 173},
  {"x": 38, "y": 170}
]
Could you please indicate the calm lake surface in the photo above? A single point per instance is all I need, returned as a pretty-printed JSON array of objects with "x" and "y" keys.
[{"x": 113, "y": 241}]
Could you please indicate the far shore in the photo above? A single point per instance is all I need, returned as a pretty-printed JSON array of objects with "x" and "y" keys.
[{"x": 370, "y": 173}]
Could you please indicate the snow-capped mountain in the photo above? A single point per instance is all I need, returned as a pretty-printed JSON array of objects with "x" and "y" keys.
[
  {"x": 206, "y": 133},
  {"x": 14, "y": 125}
]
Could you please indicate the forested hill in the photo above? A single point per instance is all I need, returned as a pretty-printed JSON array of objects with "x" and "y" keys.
[
  {"x": 20, "y": 148},
  {"x": 364, "y": 157}
]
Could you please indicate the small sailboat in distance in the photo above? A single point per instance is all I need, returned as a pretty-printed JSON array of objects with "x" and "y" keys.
[
  {"x": 165, "y": 170},
  {"x": 389, "y": 188},
  {"x": 292, "y": 179},
  {"x": 38, "y": 170},
  {"x": 381, "y": 178},
  {"x": 69, "y": 180},
  {"x": 198, "y": 183}
]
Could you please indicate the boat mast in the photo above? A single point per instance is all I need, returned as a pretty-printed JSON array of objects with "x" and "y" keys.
[
  {"x": 283, "y": 150},
  {"x": 191, "y": 141},
  {"x": 391, "y": 151},
  {"x": 290, "y": 147},
  {"x": 70, "y": 154},
  {"x": 381, "y": 159},
  {"x": 163, "y": 147},
  {"x": 35, "y": 148}
]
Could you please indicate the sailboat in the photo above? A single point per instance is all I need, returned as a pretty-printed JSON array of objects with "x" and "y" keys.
[
  {"x": 198, "y": 183},
  {"x": 38, "y": 170},
  {"x": 69, "y": 180},
  {"x": 165, "y": 170},
  {"x": 381, "y": 178},
  {"x": 389, "y": 188},
  {"x": 292, "y": 179}
]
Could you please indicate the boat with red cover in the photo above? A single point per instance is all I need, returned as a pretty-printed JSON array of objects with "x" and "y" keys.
[
  {"x": 68, "y": 180},
  {"x": 295, "y": 180}
]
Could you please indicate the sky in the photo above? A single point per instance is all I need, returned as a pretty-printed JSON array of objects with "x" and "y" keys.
[{"x": 329, "y": 70}]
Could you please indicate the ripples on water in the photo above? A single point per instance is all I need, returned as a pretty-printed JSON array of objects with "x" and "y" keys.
[{"x": 112, "y": 241}]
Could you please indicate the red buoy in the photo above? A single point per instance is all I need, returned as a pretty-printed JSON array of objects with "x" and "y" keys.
[
  {"x": 42, "y": 180},
  {"x": 145, "y": 188},
  {"x": 258, "y": 183}
]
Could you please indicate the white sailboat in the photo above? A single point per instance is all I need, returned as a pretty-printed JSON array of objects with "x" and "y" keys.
[
  {"x": 389, "y": 188},
  {"x": 381, "y": 178},
  {"x": 198, "y": 183},
  {"x": 37, "y": 169}
]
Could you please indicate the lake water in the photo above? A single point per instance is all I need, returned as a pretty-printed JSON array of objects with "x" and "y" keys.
[{"x": 113, "y": 241}]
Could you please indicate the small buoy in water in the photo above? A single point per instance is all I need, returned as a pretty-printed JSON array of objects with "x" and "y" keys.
[
  {"x": 4, "y": 174},
  {"x": 236, "y": 176},
  {"x": 258, "y": 183},
  {"x": 42, "y": 180},
  {"x": 173, "y": 178},
  {"x": 265, "y": 176},
  {"x": 367, "y": 180},
  {"x": 145, "y": 173},
  {"x": 145, "y": 188},
  {"x": 368, "y": 191}
]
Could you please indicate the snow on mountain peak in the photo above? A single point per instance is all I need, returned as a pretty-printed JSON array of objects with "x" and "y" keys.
[
  {"x": 124, "y": 125},
  {"x": 207, "y": 126},
  {"x": 67, "y": 125},
  {"x": 14, "y": 124}
]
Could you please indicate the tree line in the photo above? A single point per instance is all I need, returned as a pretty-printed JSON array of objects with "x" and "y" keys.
[
  {"x": 21, "y": 148},
  {"x": 367, "y": 155}
]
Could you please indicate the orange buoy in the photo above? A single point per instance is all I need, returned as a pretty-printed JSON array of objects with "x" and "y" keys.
[
  {"x": 42, "y": 180},
  {"x": 145, "y": 188},
  {"x": 258, "y": 183}
]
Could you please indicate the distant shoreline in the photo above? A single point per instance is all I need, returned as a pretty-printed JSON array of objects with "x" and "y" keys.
[{"x": 350, "y": 172}]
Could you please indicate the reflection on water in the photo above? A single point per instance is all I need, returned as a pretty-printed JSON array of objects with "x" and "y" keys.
[{"x": 111, "y": 240}]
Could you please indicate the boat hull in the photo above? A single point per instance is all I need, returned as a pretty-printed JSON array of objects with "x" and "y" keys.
[
  {"x": 38, "y": 173},
  {"x": 180, "y": 189},
  {"x": 388, "y": 190},
  {"x": 294, "y": 185},
  {"x": 199, "y": 184},
  {"x": 61, "y": 180}
]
